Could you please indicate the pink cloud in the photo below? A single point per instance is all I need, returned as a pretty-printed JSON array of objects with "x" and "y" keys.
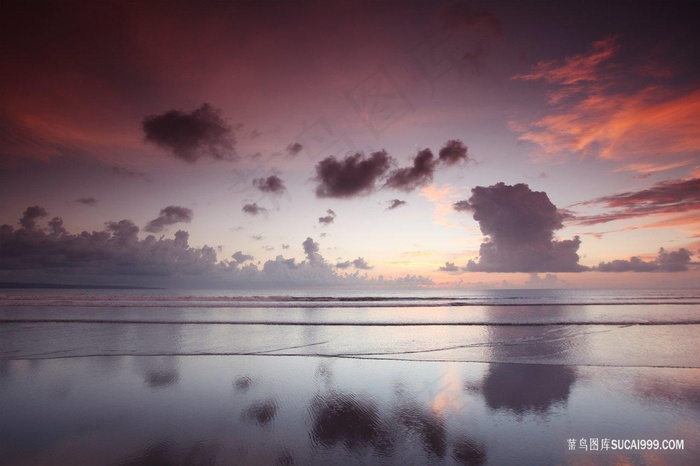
[{"x": 596, "y": 110}]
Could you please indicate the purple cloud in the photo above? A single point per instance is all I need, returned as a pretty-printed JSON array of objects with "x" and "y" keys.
[
  {"x": 675, "y": 261},
  {"x": 353, "y": 175},
  {"x": 328, "y": 219},
  {"x": 254, "y": 209},
  {"x": 272, "y": 184},
  {"x": 169, "y": 216},
  {"x": 454, "y": 151},
  {"x": 189, "y": 136},
  {"x": 519, "y": 225},
  {"x": 395, "y": 203},
  {"x": 409, "y": 178}
]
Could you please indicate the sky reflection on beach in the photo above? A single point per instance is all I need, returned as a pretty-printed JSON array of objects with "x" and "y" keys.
[{"x": 309, "y": 410}]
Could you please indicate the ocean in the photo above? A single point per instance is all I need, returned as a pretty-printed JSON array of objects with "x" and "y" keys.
[{"x": 352, "y": 377}]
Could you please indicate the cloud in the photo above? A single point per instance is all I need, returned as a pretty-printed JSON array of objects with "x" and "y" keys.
[
  {"x": 353, "y": 175},
  {"x": 311, "y": 249},
  {"x": 462, "y": 206},
  {"x": 667, "y": 197},
  {"x": 169, "y": 216},
  {"x": 343, "y": 265},
  {"x": 409, "y": 178},
  {"x": 535, "y": 281},
  {"x": 597, "y": 109},
  {"x": 449, "y": 267},
  {"x": 454, "y": 151},
  {"x": 575, "y": 69},
  {"x": 86, "y": 200},
  {"x": 272, "y": 184},
  {"x": 239, "y": 258},
  {"x": 328, "y": 219},
  {"x": 360, "y": 264},
  {"x": 189, "y": 136},
  {"x": 30, "y": 216},
  {"x": 395, "y": 203},
  {"x": 675, "y": 261},
  {"x": 116, "y": 250},
  {"x": 294, "y": 149},
  {"x": 123, "y": 171},
  {"x": 253, "y": 209},
  {"x": 519, "y": 224}
]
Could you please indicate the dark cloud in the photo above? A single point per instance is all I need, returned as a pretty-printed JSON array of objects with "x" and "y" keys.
[
  {"x": 239, "y": 258},
  {"x": 257, "y": 237},
  {"x": 449, "y": 267},
  {"x": 87, "y": 200},
  {"x": 30, "y": 216},
  {"x": 271, "y": 184},
  {"x": 453, "y": 152},
  {"x": 294, "y": 149},
  {"x": 675, "y": 196},
  {"x": 189, "y": 136},
  {"x": 169, "y": 216},
  {"x": 675, "y": 261},
  {"x": 328, "y": 219},
  {"x": 395, "y": 203},
  {"x": 311, "y": 249},
  {"x": 354, "y": 175},
  {"x": 285, "y": 246},
  {"x": 462, "y": 206},
  {"x": 409, "y": 178},
  {"x": 519, "y": 224},
  {"x": 254, "y": 209}
]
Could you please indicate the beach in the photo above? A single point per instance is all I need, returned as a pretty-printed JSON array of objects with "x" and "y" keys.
[{"x": 499, "y": 378}]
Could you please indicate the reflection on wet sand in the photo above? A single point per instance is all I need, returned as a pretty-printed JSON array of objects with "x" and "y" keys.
[
  {"x": 428, "y": 425},
  {"x": 158, "y": 371},
  {"x": 261, "y": 412},
  {"x": 166, "y": 453},
  {"x": 467, "y": 452},
  {"x": 345, "y": 419},
  {"x": 523, "y": 387}
]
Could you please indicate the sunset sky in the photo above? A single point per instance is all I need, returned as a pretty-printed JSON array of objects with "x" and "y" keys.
[{"x": 469, "y": 144}]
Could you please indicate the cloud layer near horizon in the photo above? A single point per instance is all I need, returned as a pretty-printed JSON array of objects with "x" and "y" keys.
[{"x": 116, "y": 255}]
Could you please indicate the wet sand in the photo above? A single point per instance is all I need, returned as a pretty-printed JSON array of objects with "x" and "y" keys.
[{"x": 117, "y": 393}]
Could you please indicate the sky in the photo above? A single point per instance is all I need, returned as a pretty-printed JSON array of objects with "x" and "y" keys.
[{"x": 291, "y": 144}]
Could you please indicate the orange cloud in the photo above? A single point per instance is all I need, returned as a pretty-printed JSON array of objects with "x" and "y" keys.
[{"x": 594, "y": 111}]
